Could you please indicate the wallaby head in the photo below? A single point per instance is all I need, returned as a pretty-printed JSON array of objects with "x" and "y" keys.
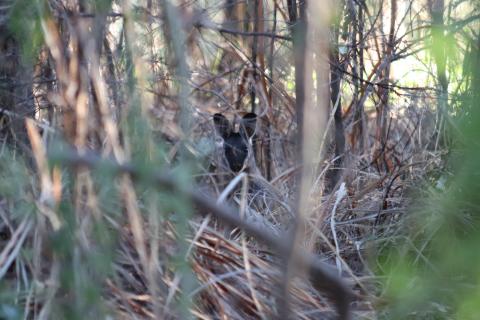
[{"x": 235, "y": 144}]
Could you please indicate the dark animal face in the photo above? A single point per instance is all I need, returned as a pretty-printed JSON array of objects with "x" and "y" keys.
[{"x": 235, "y": 144}]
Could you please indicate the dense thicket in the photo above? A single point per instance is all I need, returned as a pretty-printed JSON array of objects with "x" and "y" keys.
[{"x": 224, "y": 159}]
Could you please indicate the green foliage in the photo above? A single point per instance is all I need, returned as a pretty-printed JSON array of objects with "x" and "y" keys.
[
  {"x": 13, "y": 174},
  {"x": 435, "y": 274},
  {"x": 25, "y": 23},
  {"x": 15, "y": 184}
]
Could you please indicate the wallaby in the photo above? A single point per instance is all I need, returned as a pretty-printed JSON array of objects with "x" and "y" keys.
[
  {"x": 236, "y": 145},
  {"x": 237, "y": 155}
]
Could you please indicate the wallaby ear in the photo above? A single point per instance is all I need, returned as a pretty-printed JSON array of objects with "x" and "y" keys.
[
  {"x": 248, "y": 125},
  {"x": 222, "y": 125}
]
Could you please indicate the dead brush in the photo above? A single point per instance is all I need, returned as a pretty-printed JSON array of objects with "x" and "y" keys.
[
  {"x": 96, "y": 244},
  {"x": 234, "y": 281},
  {"x": 234, "y": 159}
]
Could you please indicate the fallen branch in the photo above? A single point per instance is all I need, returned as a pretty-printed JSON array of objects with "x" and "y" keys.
[{"x": 322, "y": 276}]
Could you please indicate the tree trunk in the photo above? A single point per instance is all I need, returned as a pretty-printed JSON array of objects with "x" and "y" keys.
[{"x": 336, "y": 102}]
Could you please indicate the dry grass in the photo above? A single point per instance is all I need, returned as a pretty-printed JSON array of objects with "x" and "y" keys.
[
  {"x": 236, "y": 276},
  {"x": 79, "y": 242}
]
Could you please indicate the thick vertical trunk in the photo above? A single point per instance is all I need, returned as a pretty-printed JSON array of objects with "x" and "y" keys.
[
  {"x": 356, "y": 137},
  {"x": 383, "y": 108},
  {"x": 436, "y": 8},
  {"x": 234, "y": 14},
  {"x": 336, "y": 102},
  {"x": 299, "y": 44}
]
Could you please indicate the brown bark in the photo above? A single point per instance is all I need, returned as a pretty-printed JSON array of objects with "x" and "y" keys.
[{"x": 336, "y": 102}]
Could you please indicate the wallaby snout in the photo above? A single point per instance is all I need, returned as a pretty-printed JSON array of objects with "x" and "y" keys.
[{"x": 235, "y": 144}]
